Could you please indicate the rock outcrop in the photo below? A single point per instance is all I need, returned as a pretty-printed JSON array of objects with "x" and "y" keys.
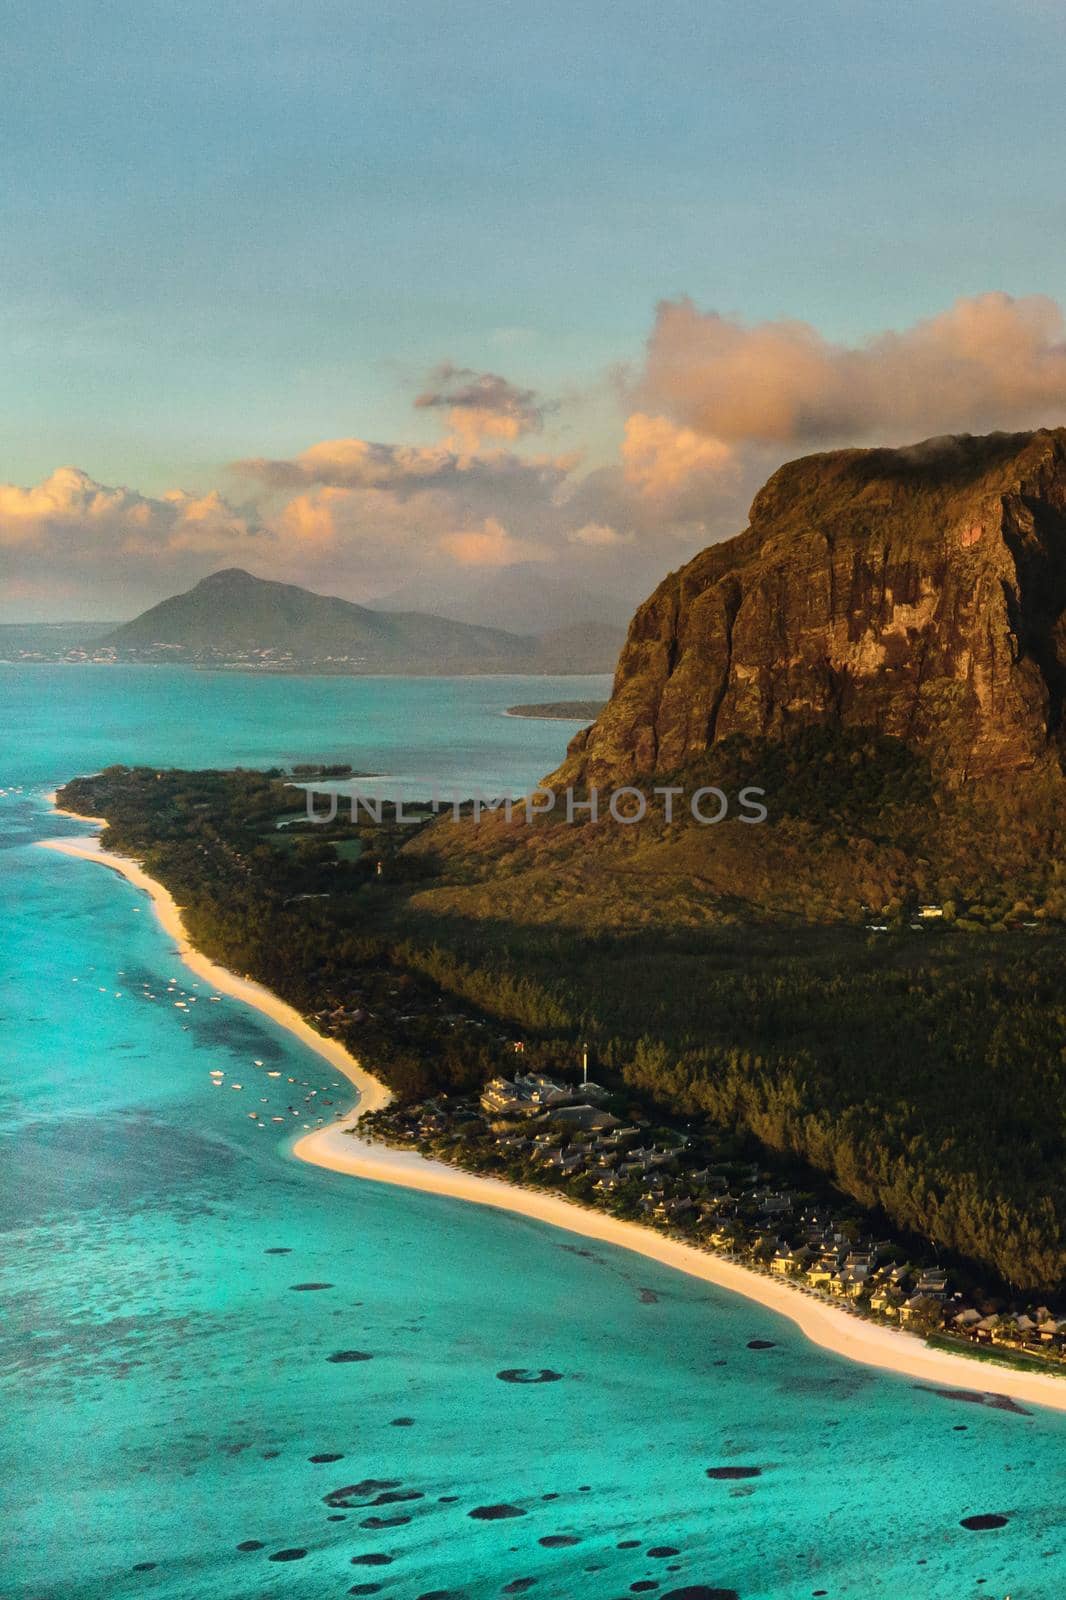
[{"x": 918, "y": 591}]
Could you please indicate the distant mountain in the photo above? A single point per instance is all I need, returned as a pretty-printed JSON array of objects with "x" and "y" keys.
[
  {"x": 234, "y": 616},
  {"x": 234, "y": 619},
  {"x": 522, "y": 598}
]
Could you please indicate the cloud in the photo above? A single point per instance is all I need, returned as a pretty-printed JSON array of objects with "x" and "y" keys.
[
  {"x": 599, "y": 536},
  {"x": 665, "y": 461},
  {"x": 481, "y": 405},
  {"x": 69, "y": 514},
  {"x": 990, "y": 361},
  {"x": 716, "y": 405},
  {"x": 404, "y": 469},
  {"x": 491, "y": 545}
]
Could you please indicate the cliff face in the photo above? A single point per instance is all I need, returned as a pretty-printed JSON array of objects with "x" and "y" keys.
[{"x": 919, "y": 591}]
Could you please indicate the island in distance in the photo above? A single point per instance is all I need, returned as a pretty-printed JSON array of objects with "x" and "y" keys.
[
  {"x": 560, "y": 710},
  {"x": 234, "y": 619}
]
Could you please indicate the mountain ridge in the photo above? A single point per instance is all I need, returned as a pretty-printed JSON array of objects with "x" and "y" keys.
[
  {"x": 267, "y": 623},
  {"x": 920, "y": 592}
]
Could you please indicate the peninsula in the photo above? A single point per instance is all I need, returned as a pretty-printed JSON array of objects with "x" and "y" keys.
[{"x": 342, "y": 1147}]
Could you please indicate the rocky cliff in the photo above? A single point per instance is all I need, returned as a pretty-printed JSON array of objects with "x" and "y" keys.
[{"x": 919, "y": 591}]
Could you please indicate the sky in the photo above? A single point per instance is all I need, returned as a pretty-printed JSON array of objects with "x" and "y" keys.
[{"x": 358, "y": 295}]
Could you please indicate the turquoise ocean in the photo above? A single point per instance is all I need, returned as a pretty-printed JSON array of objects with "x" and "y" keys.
[{"x": 174, "y": 1286}]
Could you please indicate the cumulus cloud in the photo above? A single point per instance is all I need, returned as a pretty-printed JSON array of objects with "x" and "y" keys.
[
  {"x": 481, "y": 405},
  {"x": 86, "y": 546},
  {"x": 72, "y": 515},
  {"x": 665, "y": 461},
  {"x": 492, "y": 545},
  {"x": 989, "y": 361},
  {"x": 404, "y": 469},
  {"x": 716, "y": 405}
]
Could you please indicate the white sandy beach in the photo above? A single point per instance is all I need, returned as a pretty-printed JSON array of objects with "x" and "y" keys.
[{"x": 336, "y": 1148}]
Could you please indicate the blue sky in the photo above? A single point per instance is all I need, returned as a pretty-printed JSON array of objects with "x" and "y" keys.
[{"x": 234, "y": 229}]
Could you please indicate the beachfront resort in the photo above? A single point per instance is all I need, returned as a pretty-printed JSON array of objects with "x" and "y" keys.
[{"x": 538, "y": 1130}]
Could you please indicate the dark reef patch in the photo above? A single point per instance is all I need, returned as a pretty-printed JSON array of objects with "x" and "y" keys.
[
  {"x": 762, "y": 1344},
  {"x": 365, "y": 1588},
  {"x": 250, "y": 1544},
  {"x": 278, "y": 1250},
  {"x": 296, "y": 1553},
  {"x": 354, "y": 1494},
  {"x": 728, "y": 1474},
  {"x": 402, "y": 1422},
  {"x": 339, "y": 1356},
  {"x": 384, "y": 1522},
  {"x": 660, "y": 1551},
  {"x": 495, "y": 1513},
  {"x": 143, "y": 1566},
  {"x": 518, "y": 1585},
  {"x": 973, "y": 1397},
  {"x": 986, "y": 1520},
  {"x": 302, "y": 1288},
  {"x": 529, "y": 1375},
  {"x": 373, "y": 1558},
  {"x": 558, "y": 1541},
  {"x": 318, "y": 1460},
  {"x": 701, "y": 1591}
]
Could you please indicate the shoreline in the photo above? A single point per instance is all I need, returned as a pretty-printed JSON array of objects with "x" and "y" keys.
[
  {"x": 335, "y": 1149},
  {"x": 372, "y": 1093}
]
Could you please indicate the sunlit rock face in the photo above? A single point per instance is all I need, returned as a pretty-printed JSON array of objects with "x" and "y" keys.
[{"x": 919, "y": 591}]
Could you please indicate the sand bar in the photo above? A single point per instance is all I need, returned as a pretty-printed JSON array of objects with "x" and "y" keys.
[{"x": 336, "y": 1148}]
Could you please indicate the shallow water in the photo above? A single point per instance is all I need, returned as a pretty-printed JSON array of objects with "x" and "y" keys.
[{"x": 166, "y": 1382}]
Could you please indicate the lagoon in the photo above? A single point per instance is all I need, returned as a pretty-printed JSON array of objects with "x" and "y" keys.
[{"x": 169, "y": 1395}]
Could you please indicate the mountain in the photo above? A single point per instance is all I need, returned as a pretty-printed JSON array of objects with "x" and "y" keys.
[
  {"x": 233, "y": 614},
  {"x": 919, "y": 592},
  {"x": 521, "y": 598},
  {"x": 235, "y": 619}
]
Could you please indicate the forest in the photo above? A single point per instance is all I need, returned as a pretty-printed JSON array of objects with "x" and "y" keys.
[{"x": 922, "y": 1071}]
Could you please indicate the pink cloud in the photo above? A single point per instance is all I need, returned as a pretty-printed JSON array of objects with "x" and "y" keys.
[{"x": 986, "y": 362}]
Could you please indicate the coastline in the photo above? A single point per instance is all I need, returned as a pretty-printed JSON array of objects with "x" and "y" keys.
[
  {"x": 372, "y": 1093},
  {"x": 336, "y": 1149}
]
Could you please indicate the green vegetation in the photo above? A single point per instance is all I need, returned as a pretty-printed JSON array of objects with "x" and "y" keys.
[
  {"x": 564, "y": 710},
  {"x": 725, "y": 974}
]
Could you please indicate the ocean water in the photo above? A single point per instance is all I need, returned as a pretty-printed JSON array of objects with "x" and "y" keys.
[{"x": 174, "y": 1286}]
